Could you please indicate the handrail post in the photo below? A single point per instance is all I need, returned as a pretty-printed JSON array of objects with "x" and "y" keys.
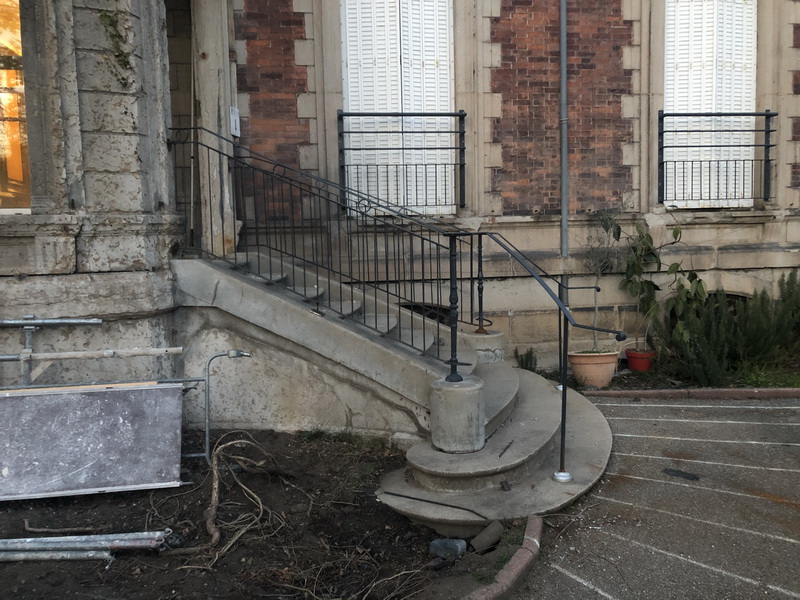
[
  {"x": 481, "y": 329},
  {"x": 340, "y": 137},
  {"x": 661, "y": 157},
  {"x": 454, "y": 375},
  {"x": 462, "y": 159},
  {"x": 562, "y": 475},
  {"x": 767, "y": 161}
]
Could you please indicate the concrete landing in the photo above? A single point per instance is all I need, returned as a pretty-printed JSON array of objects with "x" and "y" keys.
[{"x": 531, "y": 487}]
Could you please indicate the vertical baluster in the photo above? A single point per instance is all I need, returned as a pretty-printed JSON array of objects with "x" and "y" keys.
[
  {"x": 481, "y": 328},
  {"x": 453, "y": 362}
]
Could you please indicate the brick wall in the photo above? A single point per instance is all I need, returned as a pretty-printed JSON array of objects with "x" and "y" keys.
[
  {"x": 528, "y": 79},
  {"x": 272, "y": 79}
]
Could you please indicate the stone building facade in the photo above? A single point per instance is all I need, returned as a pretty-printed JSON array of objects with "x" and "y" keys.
[{"x": 105, "y": 81}]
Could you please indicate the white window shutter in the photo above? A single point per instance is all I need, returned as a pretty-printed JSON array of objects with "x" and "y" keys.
[
  {"x": 372, "y": 83},
  {"x": 398, "y": 58},
  {"x": 427, "y": 67},
  {"x": 710, "y": 66}
]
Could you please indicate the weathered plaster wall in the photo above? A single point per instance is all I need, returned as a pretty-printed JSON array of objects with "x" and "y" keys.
[{"x": 282, "y": 386}]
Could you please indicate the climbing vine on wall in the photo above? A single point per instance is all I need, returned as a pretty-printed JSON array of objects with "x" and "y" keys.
[{"x": 122, "y": 56}]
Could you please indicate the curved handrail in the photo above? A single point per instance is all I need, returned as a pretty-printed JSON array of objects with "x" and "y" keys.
[
  {"x": 525, "y": 262},
  {"x": 339, "y": 195}
]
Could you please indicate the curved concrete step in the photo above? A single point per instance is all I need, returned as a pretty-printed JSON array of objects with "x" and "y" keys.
[
  {"x": 246, "y": 268},
  {"x": 500, "y": 392},
  {"x": 344, "y": 307},
  {"x": 410, "y": 328},
  {"x": 383, "y": 323},
  {"x": 517, "y": 448},
  {"x": 532, "y": 492},
  {"x": 307, "y": 293},
  {"x": 419, "y": 339}
]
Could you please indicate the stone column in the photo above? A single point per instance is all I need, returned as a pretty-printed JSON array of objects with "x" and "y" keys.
[
  {"x": 211, "y": 52},
  {"x": 458, "y": 421}
]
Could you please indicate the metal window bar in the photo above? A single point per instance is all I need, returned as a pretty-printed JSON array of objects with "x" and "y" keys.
[
  {"x": 414, "y": 159},
  {"x": 715, "y": 160}
]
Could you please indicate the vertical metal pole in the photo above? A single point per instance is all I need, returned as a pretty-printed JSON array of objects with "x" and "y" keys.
[
  {"x": 207, "y": 440},
  {"x": 561, "y": 344},
  {"x": 562, "y": 475},
  {"x": 767, "y": 161},
  {"x": 207, "y": 436},
  {"x": 563, "y": 290},
  {"x": 340, "y": 129},
  {"x": 453, "y": 362},
  {"x": 192, "y": 152},
  {"x": 481, "y": 329},
  {"x": 661, "y": 157},
  {"x": 462, "y": 159},
  {"x": 26, "y": 365},
  {"x": 563, "y": 121}
]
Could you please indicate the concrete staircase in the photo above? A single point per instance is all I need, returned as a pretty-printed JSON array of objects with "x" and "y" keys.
[
  {"x": 511, "y": 476},
  {"x": 508, "y": 475}
]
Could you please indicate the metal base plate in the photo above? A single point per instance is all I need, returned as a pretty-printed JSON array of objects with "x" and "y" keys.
[{"x": 81, "y": 440}]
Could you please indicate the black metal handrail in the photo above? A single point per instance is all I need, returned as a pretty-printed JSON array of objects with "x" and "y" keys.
[
  {"x": 307, "y": 218},
  {"x": 381, "y": 265},
  {"x": 715, "y": 159},
  {"x": 321, "y": 236},
  {"x": 414, "y": 159}
]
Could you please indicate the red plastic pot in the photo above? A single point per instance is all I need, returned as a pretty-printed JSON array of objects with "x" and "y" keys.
[{"x": 639, "y": 360}]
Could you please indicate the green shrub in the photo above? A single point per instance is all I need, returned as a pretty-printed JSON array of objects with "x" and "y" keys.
[
  {"x": 526, "y": 360},
  {"x": 697, "y": 343},
  {"x": 716, "y": 340}
]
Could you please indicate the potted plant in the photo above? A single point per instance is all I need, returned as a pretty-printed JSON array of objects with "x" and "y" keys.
[
  {"x": 642, "y": 259},
  {"x": 639, "y": 357},
  {"x": 601, "y": 254}
]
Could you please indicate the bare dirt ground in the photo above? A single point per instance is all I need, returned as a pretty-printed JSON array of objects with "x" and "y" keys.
[{"x": 281, "y": 516}]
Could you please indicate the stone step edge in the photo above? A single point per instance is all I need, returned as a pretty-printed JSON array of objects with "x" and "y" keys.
[
  {"x": 529, "y": 428},
  {"x": 466, "y": 513},
  {"x": 500, "y": 391}
]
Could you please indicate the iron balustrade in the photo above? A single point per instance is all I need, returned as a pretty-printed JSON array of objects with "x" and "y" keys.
[
  {"x": 412, "y": 159},
  {"x": 715, "y": 160},
  {"x": 339, "y": 248},
  {"x": 346, "y": 252}
]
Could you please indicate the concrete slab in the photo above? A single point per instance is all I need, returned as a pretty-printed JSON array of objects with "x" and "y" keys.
[
  {"x": 646, "y": 534},
  {"x": 768, "y": 456},
  {"x": 722, "y": 477}
]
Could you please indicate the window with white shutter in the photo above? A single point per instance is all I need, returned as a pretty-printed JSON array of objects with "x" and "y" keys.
[
  {"x": 398, "y": 58},
  {"x": 710, "y": 66}
]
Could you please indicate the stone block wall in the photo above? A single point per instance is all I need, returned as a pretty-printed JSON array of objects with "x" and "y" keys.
[
  {"x": 272, "y": 78},
  {"x": 528, "y": 81},
  {"x": 102, "y": 227}
]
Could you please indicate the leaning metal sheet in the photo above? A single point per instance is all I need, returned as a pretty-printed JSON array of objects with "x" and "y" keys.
[{"x": 90, "y": 439}]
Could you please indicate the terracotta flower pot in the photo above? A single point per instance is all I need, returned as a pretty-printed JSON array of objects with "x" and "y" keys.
[
  {"x": 639, "y": 360},
  {"x": 593, "y": 368}
]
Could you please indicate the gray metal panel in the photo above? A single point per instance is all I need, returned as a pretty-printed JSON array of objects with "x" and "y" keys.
[{"x": 79, "y": 440}]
